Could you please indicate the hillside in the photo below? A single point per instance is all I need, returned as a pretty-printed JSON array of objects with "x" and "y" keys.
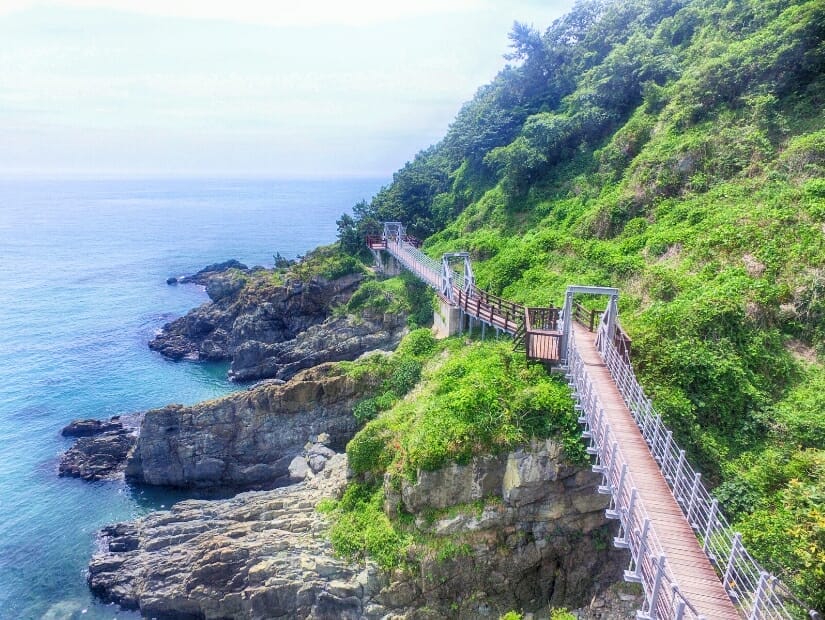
[{"x": 674, "y": 149}]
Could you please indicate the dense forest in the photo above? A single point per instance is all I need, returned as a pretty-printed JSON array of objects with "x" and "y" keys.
[{"x": 674, "y": 149}]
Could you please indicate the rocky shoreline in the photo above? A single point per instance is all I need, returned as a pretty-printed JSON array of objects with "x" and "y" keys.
[
  {"x": 101, "y": 448},
  {"x": 267, "y": 326},
  {"x": 266, "y": 553}
]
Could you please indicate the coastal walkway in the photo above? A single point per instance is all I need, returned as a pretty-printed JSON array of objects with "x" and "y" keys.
[{"x": 684, "y": 554}]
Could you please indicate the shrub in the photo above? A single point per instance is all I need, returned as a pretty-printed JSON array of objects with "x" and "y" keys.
[
  {"x": 362, "y": 529},
  {"x": 369, "y": 451}
]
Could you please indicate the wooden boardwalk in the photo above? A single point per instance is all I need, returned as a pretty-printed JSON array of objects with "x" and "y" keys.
[{"x": 688, "y": 563}]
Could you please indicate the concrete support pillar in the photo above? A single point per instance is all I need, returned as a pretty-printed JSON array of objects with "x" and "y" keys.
[
  {"x": 446, "y": 320},
  {"x": 390, "y": 265}
]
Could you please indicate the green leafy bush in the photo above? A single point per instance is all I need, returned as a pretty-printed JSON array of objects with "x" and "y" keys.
[
  {"x": 328, "y": 262},
  {"x": 361, "y": 529},
  {"x": 483, "y": 398}
]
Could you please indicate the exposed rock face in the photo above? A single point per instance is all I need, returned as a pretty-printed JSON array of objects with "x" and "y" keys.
[
  {"x": 334, "y": 340},
  {"x": 619, "y": 602},
  {"x": 270, "y": 330},
  {"x": 265, "y": 554},
  {"x": 101, "y": 449},
  {"x": 248, "y": 438},
  {"x": 538, "y": 537},
  {"x": 88, "y": 428},
  {"x": 258, "y": 555},
  {"x": 202, "y": 277}
]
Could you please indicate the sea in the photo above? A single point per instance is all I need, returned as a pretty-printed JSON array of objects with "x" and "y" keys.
[{"x": 83, "y": 269}]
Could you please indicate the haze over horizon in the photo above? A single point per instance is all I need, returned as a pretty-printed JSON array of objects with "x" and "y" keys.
[{"x": 179, "y": 88}]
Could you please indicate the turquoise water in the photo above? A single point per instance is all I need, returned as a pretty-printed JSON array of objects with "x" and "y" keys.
[{"x": 83, "y": 266}]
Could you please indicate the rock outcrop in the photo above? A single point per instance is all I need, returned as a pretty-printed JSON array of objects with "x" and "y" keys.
[
  {"x": 203, "y": 276},
  {"x": 532, "y": 527},
  {"x": 270, "y": 329},
  {"x": 534, "y": 534},
  {"x": 246, "y": 439},
  {"x": 91, "y": 427},
  {"x": 259, "y": 555},
  {"x": 101, "y": 448},
  {"x": 334, "y": 340}
]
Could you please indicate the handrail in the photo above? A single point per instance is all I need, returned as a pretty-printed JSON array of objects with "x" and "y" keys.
[
  {"x": 750, "y": 587},
  {"x": 416, "y": 261},
  {"x": 585, "y": 316},
  {"x": 649, "y": 565},
  {"x": 546, "y": 319}
]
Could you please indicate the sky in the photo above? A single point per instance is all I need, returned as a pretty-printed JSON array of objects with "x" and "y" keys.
[{"x": 298, "y": 89}]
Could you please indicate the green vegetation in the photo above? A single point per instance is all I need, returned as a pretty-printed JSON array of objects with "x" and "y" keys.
[
  {"x": 393, "y": 376},
  {"x": 468, "y": 399},
  {"x": 675, "y": 149},
  {"x": 327, "y": 262},
  {"x": 481, "y": 399},
  {"x": 403, "y": 293},
  {"x": 362, "y": 529},
  {"x": 555, "y": 614}
]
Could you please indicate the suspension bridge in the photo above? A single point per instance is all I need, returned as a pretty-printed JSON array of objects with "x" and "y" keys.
[{"x": 683, "y": 552}]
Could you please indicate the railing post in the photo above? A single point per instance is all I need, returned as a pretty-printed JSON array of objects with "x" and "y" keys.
[
  {"x": 636, "y": 574},
  {"x": 757, "y": 597},
  {"x": 711, "y": 517},
  {"x": 666, "y": 452},
  {"x": 657, "y": 585},
  {"x": 624, "y": 541},
  {"x": 616, "y": 512},
  {"x": 734, "y": 548},
  {"x": 697, "y": 480},
  {"x": 678, "y": 475}
]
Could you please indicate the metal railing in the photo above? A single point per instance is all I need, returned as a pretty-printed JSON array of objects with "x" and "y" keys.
[
  {"x": 416, "y": 261},
  {"x": 648, "y": 565},
  {"x": 758, "y": 594}
]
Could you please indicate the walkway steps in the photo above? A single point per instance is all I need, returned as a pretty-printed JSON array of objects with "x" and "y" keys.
[{"x": 689, "y": 565}]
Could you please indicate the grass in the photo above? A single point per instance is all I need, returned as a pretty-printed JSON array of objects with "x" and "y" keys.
[{"x": 483, "y": 399}]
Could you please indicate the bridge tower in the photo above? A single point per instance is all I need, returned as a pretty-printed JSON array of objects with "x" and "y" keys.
[
  {"x": 448, "y": 318},
  {"x": 610, "y": 315}
]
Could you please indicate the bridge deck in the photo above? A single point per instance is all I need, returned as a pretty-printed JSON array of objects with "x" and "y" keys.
[{"x": 688, "y": 563}]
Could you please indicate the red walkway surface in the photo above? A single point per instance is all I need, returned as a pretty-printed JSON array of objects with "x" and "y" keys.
[{"x": 690, "y": 567}]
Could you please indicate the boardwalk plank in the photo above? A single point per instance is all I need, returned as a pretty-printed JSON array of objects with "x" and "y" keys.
[{"x": 690, "y": 567}]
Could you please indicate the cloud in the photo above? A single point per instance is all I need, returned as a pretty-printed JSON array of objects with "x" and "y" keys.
[
  {"x": 316, "y": 86},
  {"x": 275, "y": 13}
]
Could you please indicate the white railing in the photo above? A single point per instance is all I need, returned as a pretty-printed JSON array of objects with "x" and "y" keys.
[
  {"x": 416, "y": 261},
  {"x": 758, "y": 594},
  {"x": 648, "y": 565}
]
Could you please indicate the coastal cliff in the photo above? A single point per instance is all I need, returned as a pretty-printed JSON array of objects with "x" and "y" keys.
[
  {"x": 538, "y": 537},
  {"x": 247, "y": 438},
  {"x": 514, "y": 528},
  {"x": 270, "y": 324}
]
